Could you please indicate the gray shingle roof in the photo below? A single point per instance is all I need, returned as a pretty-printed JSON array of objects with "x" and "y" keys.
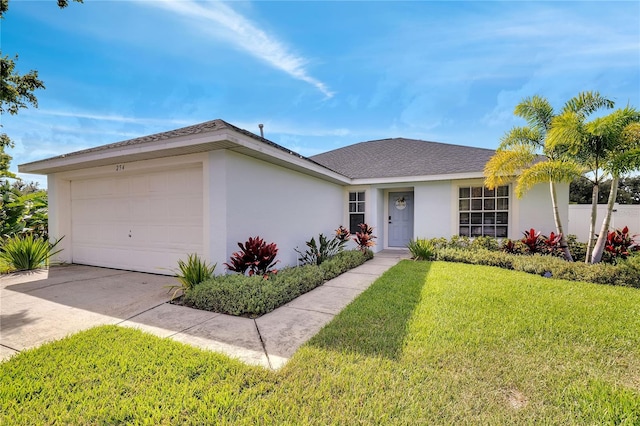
[
  {"x": 384, "y": 158},
  {"x": 207, "y": 126},
  {"x": 399, "y": 157}
]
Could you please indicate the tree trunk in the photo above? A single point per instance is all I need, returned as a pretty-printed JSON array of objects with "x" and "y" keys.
[
  {"x": 556, "y": 217},
  {"x": 604, "y": 230},
  {"x": 592, "y": 225}
]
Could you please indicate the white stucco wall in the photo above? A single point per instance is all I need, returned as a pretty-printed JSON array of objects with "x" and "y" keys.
[
  {"x": 433, "y": 215},
  {"x": 534, "y": 210},
  {"x": 436, "y": 208},
  {"x": 59, "y": 216},
  {"x": 380, "y": 219},
  {"x": 277, "y": 204},
  {"x": 623, "y": 215}
]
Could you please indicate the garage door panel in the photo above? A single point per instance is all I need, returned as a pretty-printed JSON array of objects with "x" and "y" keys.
[
  {"x": 87, "y": 233},
  {"x": 158, "y": 184},
  {"x": 143, "y": 222},
  {"x": 122, "y": 186},
  {"x": 140, "y": 209},
  {"x": 159, "y": 208},
  {"x": 140, "y": 185},
  {"x": 182, "y": 236},
  {"x": 99, "y": 188}
]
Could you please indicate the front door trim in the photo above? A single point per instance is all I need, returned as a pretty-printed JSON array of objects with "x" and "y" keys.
[{"x": 403, "y": 212}]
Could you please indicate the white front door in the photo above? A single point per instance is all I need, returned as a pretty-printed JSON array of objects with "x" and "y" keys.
[
  {"x": 141, "y": 222},
  {"x": 400, "y": 218}
]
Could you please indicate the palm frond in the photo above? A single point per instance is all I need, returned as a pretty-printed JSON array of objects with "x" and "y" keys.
[
  {"x": 621, "y": 134},
  {"x": 625, "y": 162},
  {"x": 631, "y": 133},
  {"x": 567, "y": 132},
  {"x": 522, "y": 136},
  {"x": 545, "y": 172},
  {"x": 537, "y": 111},
  {"x": 506, "y": 164},
  {"x": 586, "y": 103}
]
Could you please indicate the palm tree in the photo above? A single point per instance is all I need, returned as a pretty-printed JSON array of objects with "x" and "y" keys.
[
  {"x": 523, "y": 152},
  {"x": 584, "y": 145},
  {"x": 621, "y": 132}
]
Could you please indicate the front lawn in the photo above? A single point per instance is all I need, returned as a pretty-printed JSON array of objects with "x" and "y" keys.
[{"x": 427, "y": 343}]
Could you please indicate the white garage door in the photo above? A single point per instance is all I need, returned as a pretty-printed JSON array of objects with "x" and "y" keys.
[{"x": 143, "y": 222}]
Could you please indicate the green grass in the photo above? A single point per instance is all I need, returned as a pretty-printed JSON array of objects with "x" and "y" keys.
[{"x": 428, "y": 343}]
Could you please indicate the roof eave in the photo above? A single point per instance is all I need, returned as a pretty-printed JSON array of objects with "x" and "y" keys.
[
  {"x": 423, "y": 178},
  {"x": 203, "y": 142}
]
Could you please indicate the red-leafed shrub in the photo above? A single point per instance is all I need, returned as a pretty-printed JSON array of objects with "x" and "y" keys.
[
  {"x": 532, "y": 240},
  {"x": 365, "y": 237},
  {"x": 620, "y": 244},
  {"x": 254, "y": 258},
  {"x": 551, "y": 244},
  {"x": 342, "y": 234}
]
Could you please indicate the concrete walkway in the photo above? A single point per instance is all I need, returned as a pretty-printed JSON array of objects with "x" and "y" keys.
[{"x": 47, "y": 305}]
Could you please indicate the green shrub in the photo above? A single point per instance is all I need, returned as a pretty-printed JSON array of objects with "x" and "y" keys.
[
  {"x": 421, "y": 249},
  {"x": 625, "y": 273},
  {"x": 459, "y": 241},
  {"x": 24, "y": 253},
  {"x": 439, "y": 243},
  {"x": 488, "y": 243},
  {"x": 4, "y": 267},
  {"x": 578, "y": 249},
  {"x": 463, "y": 242},
  {"x": 344, "y": 261},
  {"x": 228, "y": 294},
  {"x": 23, "y": 209},
  {"x": 254, "y": 296},
  {"x": 191, "y": 273}
]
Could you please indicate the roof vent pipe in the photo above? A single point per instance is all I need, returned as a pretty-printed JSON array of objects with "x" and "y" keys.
[{"x": 261, "y": 130}]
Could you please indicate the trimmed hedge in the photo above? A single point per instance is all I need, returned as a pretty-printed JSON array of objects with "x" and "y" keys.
[
  {"x": 241, "y": 295},
  {"x": 625, "y": 273}
]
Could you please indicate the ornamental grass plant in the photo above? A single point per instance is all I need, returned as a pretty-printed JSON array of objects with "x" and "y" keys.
[{"x": 27, "y": 252}]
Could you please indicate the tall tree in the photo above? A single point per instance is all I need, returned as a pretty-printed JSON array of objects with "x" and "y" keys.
[
  {"x": 584, "y": 144},
  {"x": 523, "y": 153},
  {"x": 622, "y": 127},
  {"x": 628, "y": 191},
  {"x": 16, "y": 92},
  {"x": 18, "y": 210}
]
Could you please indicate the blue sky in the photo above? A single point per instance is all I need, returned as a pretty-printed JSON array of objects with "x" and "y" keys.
[{"x": 319, "y": 75}]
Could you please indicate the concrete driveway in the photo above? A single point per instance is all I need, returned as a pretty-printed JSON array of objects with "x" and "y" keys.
[
  {"x": 44, "y": 305},
  {"x": 41, "y": 306}
]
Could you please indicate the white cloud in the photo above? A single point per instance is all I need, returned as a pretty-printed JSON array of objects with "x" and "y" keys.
[
  {"x": 244, "y": 34},
  {"x": 115, "y": 118}
]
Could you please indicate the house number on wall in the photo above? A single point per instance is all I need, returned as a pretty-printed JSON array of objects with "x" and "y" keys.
[{"x": 119, "y": 167}]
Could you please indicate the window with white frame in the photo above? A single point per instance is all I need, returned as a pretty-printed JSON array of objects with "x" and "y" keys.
[
  {"x": 483, "y": 211},
  {"x": 356, "y": 211}
]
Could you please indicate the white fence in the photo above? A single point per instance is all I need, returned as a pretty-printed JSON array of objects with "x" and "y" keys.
[{"x": 623, "y": 215}]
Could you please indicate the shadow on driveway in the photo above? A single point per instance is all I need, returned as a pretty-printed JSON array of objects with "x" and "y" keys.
[
  {"x": 111, "y": 292},
  {"x": 45, "y": 305}
]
